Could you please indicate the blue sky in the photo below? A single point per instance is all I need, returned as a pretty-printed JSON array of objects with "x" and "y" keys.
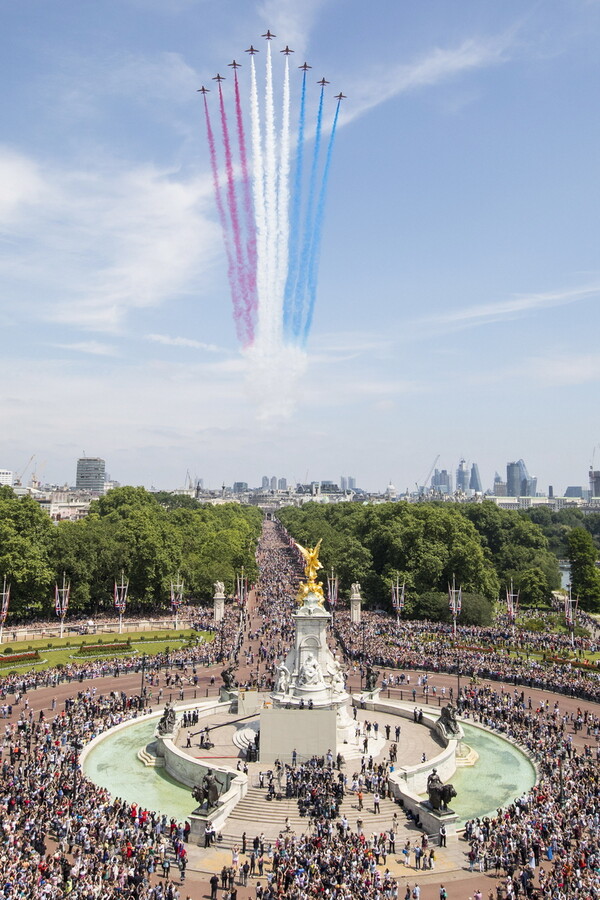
[{"x": 460, "y": 276}]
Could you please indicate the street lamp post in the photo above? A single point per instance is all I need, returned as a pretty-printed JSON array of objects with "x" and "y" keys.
[
  {"x": 142, "y": 685},
  {"x": 571, "y": 614},
  {"x": 363, "y": 626}
]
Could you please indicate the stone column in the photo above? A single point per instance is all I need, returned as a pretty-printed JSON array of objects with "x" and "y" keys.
[
  {"x": 355, "y": 603},
  {"x": 219, "y": 601}
]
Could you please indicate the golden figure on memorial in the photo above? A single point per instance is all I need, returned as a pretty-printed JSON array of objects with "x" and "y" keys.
[{"x": 312, "y": 566}]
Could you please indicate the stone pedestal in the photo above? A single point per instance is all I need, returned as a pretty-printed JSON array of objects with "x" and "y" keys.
[
  {"x": 219, "y": 608},
  {"x": 311, "y": 680},
  {"x": 355, "y": 604},
  {"x": 309, "y": 732}
]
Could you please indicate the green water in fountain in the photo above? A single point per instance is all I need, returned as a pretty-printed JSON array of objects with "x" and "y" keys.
[
  {"x": 501, "y": 774},
  {"x": 113, "y": 764}
]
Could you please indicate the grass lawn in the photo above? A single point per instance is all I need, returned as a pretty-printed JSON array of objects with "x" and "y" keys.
[{"x": 64, "y": 650}]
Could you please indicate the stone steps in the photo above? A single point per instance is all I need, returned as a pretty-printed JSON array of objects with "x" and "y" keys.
[
  {"x": 149, "y": 759},
  {"x": 255, "y": 814}
]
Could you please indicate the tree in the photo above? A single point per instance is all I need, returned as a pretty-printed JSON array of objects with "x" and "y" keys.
[
  {"x": 533, "y": 587},
  {"x": 585, "y": 576},
  {"x": 26, "y": 534}
]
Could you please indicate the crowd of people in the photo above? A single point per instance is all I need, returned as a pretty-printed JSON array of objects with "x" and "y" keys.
[
  {"x": 225, "y": 645},
  {"x": 272, "y": 633},
  {"x": 485, "y": 653},
  {"x": 62, "y": 836},
  {"x": 553, "y": 830}
]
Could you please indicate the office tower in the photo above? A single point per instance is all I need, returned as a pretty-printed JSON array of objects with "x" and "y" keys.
[
  {"x": 265, "y": 483},
  {"x": 351, "y": 483},
  {"x": 91, "y": 474},
  {"x": 519, "y": 483},
  {"x": 6, "y": 476},
  {"x": 575, "y": 490},
  {"x": 475, "y": 480},
  {"x": 343, "y": 483},
  {"x": 240, "y": 487},
  {"x": 550, "y": 492},
  {"x": 273, "y": 484},
  {"x": 500, "y": 488},
  {"x": 594, "y": 483},
  {"x": 513, "y": 479},
  {"x": 462, "y": 476},
  {"x": 441, "y": 481},
  {"x": 282, "y": 484}
]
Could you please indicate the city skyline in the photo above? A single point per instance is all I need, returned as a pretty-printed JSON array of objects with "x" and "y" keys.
[
  {"x": 91, "y": 473},
  {"x": 459, "y": 276}
]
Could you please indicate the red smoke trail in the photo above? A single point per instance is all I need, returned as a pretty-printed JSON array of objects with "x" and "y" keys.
[
  {"x": 240, "y": 268},
  {"x": 231, "y": 273},
  {"x": 248, "y": 208}
]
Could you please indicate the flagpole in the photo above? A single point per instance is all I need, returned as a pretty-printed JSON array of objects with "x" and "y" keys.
[
  {"x": 121, "y": 598},
  {"x": 4, "y": 610}
]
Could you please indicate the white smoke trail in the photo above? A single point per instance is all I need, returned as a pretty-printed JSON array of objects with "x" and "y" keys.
[
  {"x": 273, "y": 314},
  {"x": 258, "y": 191},
  {"x": 283, "y": 192}
]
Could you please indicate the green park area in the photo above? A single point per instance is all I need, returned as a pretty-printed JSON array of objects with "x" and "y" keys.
[{"x": 35, "y": 655}]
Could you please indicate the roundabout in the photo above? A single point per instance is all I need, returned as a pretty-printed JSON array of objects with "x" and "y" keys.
[{"x": 501, "y": 773}]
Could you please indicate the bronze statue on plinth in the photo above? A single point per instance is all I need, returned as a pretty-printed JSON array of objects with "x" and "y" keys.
[
  {"x": 439, "y": 793},
  {"x": 207, "y": 792}
]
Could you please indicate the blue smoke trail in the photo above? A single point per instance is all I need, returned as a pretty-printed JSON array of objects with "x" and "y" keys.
[
  {"x": 294, "y": 238},
  {"x": 297, "y": 329},
  {"x": 313, "y": 268}
]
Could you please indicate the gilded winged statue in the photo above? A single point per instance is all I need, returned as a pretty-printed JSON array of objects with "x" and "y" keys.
[
  {"x": 312, "y": 560},
  {"x": 312, "y": 566}
]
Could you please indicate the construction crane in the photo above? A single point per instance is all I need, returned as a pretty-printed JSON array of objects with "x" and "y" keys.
[
  {"x": 19, "y": 478},
  {"x": 422, "y": 488}
]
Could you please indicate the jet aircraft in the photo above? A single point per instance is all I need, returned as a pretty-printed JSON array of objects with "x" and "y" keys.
[
  {"x": 251, "y": 50},
  {"x": 287, "y": 50},
  {"x": 305, "y": 67},
  {"x": 269, "y": 36},
  {"x": 323, "y": 82},
  {"x": 218, "y": 78},
  {"x": 340, "y": 96},
  {"x": 235, "y": 65}
]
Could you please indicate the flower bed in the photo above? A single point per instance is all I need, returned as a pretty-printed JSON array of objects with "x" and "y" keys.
[
  {"x": 95, "y": 649},
  {"x": 584, "y": 664},
  {"x": 8, "y": 659}
]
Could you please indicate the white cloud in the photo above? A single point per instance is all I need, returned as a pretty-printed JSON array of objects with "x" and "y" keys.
[
  {"x": 511, "y": 308},
  {"x": 182, "y": 342},
  {"x": 97, "y": 243},
  {"x": 164, "y": 77},
  {"x": 373, "y": 88},
  {"x": 94, "y": 348},
  {"x": 562, "y": 370},
  {"x": 291, "y": 20},
  {"x": 21, "y": 184}
]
